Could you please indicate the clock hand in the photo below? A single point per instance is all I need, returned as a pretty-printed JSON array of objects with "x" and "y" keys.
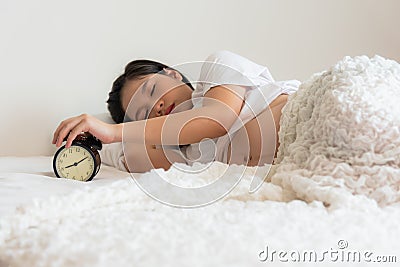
[
  {"x": 80, "y": 161},
  {"x": 69, "y": 166},
  {"x": 76, "y": 163}
]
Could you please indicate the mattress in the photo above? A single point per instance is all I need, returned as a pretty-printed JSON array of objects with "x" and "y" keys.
[
  {"x": 23, "y": 179},
  {"x": 47, "y": 221}
]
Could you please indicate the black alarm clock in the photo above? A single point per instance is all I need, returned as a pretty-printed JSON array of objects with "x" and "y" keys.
[{"x": 81, "y": 161}]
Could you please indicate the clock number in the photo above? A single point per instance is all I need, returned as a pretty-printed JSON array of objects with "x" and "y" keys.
[
  {"x": 77, "y": 149},
  {"x": 70, "y": 150},
  {"x": 65, "y": 155}
]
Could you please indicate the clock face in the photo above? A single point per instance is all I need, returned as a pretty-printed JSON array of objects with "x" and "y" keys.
[{"x": 75, "y": 163}]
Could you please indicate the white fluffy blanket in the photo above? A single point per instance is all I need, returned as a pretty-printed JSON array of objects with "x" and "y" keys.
[
  {"x": 119, "y": 225},
  {"x": 340, "y": 147},
  {"x": 340, "y": 135}
]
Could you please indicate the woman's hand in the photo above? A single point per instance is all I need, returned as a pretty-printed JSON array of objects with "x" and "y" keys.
[{"x": 106, "y": 133}]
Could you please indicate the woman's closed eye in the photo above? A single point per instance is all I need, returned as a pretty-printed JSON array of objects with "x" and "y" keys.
[
  {"x": 147, "y": 112},
  {"x": 146, "y": 116},
  {"x": 152, "y": 90}
]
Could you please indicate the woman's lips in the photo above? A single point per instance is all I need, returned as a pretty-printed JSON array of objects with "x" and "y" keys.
[{"x": 169, "y": 109}]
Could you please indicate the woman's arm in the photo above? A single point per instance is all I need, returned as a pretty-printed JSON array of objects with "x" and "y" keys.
[
  {"x": 220, "y": 109},
  {"x": 142, "y": 158},
  {"x": 221, "y": 106}
]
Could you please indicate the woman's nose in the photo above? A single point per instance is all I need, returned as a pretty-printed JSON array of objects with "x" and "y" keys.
[{"x": 159, "y": 109}]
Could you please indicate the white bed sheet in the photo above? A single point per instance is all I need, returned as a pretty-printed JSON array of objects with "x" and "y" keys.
[
  {"x": 23, "y": 179},
  {"x": 115, "y": 224}
]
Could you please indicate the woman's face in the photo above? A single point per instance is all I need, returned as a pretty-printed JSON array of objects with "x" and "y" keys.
[{"x": 155, "y": 95}]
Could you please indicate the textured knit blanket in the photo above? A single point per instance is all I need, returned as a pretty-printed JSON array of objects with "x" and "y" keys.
[{"x": 340, "y": 135}]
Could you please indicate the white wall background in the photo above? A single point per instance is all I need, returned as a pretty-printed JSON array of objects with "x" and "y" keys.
[{"x": 59, "y": 58}]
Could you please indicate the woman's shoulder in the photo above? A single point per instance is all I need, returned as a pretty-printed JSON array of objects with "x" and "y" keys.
[
  {"x": 224, "y": 62},
  {"x": 226, "y": 57},
  {"x": 228, "y": 60},
  {"x": 220, "y": 54},
  {"x": 226, "y": 67}
]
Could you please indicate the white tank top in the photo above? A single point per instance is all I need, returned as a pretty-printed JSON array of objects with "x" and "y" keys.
[{"x": 224, "y": 67}]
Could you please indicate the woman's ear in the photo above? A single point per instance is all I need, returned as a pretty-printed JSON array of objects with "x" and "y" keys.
[{"x": 173, "y": 73}]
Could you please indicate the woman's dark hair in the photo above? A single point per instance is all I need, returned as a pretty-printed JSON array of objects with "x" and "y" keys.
[{"x": 134, "y": 70}]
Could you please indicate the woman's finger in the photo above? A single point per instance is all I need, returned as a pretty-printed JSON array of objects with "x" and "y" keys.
[
  {"x": 55, "y": 134},
  {"x": 73, "y": 133},
  {"x": 69, "y": 129},
  {"x": 64, "y": 129}
]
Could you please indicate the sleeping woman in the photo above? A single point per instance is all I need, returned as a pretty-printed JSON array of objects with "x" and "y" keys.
[{"x": 232, "y": 115}]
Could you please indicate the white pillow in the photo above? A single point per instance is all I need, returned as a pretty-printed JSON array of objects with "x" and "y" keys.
[{"x": 111, "y": 154}]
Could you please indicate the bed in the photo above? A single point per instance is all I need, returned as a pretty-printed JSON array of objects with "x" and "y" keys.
[
  {"x": 331, "y": 199},
  {"x": 48, "y": 221}
]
